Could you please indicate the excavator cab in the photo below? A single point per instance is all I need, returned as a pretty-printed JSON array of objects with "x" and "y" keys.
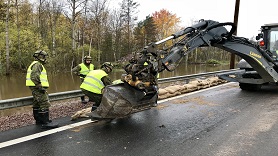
[{"x": 268, "y": 39}]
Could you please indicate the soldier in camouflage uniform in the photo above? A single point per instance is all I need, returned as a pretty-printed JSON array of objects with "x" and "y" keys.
[
  {"x": 95, "y": 81},
  {"x": 36, "y": 80},
  {"x": 82, "y": 70}
]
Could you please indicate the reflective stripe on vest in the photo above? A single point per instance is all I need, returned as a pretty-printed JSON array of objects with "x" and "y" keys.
[
  {"x": 43, "y": 76},
  {"x": 84, "y": 69},
  {"x": 92, "y": 81}
]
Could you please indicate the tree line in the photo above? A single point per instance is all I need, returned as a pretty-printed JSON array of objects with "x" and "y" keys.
[{"x": 70, "y": 29}]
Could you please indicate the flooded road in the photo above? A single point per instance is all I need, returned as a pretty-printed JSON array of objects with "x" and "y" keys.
[{"x": 14, "y": 85}]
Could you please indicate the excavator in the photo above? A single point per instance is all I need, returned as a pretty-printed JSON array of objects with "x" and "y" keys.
[{"x": 138, "y": 89}]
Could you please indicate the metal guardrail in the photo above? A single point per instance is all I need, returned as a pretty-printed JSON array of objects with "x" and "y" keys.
[
  {"x": 184, "y": 77},
  {"x": 24, "y": 101}
]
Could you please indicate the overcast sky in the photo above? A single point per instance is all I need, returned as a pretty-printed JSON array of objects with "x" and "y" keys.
[{"x": 252, "y": 13}]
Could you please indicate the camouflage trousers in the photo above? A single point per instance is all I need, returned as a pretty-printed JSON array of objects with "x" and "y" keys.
[
  {"x": 93, "y": 97},
  {"x": 40, "y": 99}
]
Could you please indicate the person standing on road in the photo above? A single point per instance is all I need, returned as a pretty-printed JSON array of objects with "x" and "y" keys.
[
  {"x": 95, "y": 81},
  {"x": 82, "y": 70},
  {"x": 36, "y": 80}
]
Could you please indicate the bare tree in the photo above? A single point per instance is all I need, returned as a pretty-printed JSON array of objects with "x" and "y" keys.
[
  {"x": 54, "y": 11},
  {"x": 83, "y": 30},
  {"x": 8, "y": 38},
  {"x": 99, "y": 11},
  {"x": 116, "y": 23},
  {"x": 18, "y": 32},
  {"x": 42, "y": 20},
  {"x": 76, "y": 7}
]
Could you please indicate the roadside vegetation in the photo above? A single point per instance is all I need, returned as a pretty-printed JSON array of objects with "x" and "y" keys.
[{"x": 70, "y": 29}]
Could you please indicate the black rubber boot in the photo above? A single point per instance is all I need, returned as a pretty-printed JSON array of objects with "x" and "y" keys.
[
  {"x": 36, "y": 115},
  {"x": 46, "y": 123}
]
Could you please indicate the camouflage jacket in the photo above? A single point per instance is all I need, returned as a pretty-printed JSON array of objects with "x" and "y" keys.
[{"x": 36, "y": 72}]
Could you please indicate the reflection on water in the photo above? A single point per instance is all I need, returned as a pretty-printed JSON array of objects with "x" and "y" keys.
[{"x": 14, "y": 85}]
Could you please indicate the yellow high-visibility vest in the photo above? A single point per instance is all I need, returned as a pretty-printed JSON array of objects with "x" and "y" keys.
[
  {"x": 84, "y": 69},
  {"x": 43, "y": 76},
  {"x": 92, "y": 81}
]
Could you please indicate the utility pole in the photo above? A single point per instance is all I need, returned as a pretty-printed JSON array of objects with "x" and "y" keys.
[{"x": 232, "y": 61}]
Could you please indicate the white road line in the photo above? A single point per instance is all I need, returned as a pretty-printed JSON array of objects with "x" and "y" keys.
[
  {"x": 56, "y": 130},
  {"x": 44, "y": 133}
]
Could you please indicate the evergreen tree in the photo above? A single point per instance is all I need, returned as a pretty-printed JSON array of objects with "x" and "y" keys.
[
  {"x": 150, "y": 29},
  {"x": 128, "y": 14},
  {"x": 139, "y": 35}
]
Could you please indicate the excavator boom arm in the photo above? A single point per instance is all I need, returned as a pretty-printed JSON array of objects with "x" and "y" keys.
[
  {"x": 139, "y": 89},
  {"x": 216, "y": 35}
]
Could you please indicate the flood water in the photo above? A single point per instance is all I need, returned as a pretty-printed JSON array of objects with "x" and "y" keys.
[{"x": 14, "y": 85}]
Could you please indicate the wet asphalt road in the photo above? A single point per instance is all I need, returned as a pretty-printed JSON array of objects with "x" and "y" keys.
[{"x": 221, "y": 121}]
